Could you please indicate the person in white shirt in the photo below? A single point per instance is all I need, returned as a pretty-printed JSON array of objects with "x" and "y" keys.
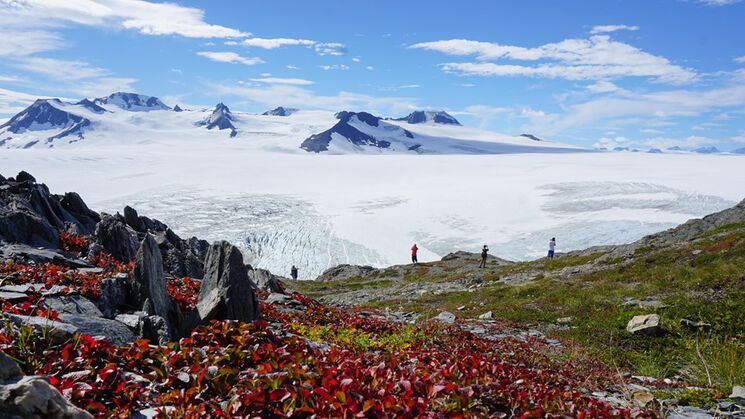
[{"x": 551, "y": 247}]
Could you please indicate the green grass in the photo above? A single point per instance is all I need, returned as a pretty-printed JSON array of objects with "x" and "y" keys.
[{"x": 708, "y": 286}]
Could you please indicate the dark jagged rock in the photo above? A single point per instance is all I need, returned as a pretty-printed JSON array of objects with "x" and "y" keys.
[
  {"x": 88, "y": 104},
  {"x": 22, "y": 253},
  {"x": 116, "y": 237},
  {"x": 148, "y": 287},
  {"x": 111, "y": 330},
  {"x": 177, "y": 108},
  {"x": 114, "y": 293},
  {"x": 73, "y": 203},
  {"x": 9, "y": 370},
  {"x": 132, "y": 219},
  {"x": 30, "y": 215},
  {"x": 226, "y": 292}
]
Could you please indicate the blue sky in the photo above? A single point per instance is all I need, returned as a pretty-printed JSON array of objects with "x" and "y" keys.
[{"x": 605, "y": 73}]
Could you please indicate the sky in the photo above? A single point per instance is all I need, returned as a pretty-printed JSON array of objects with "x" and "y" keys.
[{"x": 612, "y": 73}]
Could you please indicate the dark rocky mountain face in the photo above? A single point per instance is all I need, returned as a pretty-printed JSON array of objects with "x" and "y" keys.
[
  {"x": 221, "y": 118},
  {"x": 42, "y": 114},
  {"x": 438, "y": 117},
  {"x": 177, "y": 108},
  {"x": 280, "y": 111},
  {"x": 91, "y": 106},
  {"x": 320, "y": 142},
  {"x": 133, "y": 102}
]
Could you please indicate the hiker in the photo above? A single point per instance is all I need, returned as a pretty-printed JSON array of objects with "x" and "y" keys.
[
  {"x": 413, "y": 254},
  {"x": 484, "y": 252},
  {"x": 551, "y": 247},
  {"x": 293, "y": 272}
]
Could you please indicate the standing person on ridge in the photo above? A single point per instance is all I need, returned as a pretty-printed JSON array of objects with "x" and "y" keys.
[
  {"x": 413, "y": 254},
  {"x": 293, "y": 272},
  {"x": 484, "y": 252},
  {"x": 551, "y": 247}
]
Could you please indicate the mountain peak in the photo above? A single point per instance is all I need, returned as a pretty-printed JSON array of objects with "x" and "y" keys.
[
  {"x": 281, "y": 111},
  {"x": 359, "y": 132},
  {"x": 133, "y": 102},
  {"x": 531, "y": 136},
  {"x": 220, "y": 118},
  {"x": 436, "y": 117}
]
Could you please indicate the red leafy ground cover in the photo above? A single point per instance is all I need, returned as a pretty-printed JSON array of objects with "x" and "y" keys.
[
  {"x": 184, "y": 291},
  {"x": 316, "y": 361}
]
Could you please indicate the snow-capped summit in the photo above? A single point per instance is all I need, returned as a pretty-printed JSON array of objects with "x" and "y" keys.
[
  {"x": 739, "y": 151},
  {"x": 45, "y": 119},
  {"x": 654, "y": 151},
  {"x": 177, "y": 108},
  {"x": 359, "y": 132},
  {"x": 133, "y": 102},
  {"x": 281, "y": 111},
  {"x": 41, "y": 115},
  {"x": 222, "y": 118},
  {"x": 436, "y": 117},
  {"x": 706, "y": 150}
]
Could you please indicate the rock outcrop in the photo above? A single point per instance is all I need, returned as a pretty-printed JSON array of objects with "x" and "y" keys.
[
  {"x": 265, "y": 280},
  {"x": 30, "y": 215},
  {"x": 227, "y": 293},
  {"x": 148, "y": 290}
]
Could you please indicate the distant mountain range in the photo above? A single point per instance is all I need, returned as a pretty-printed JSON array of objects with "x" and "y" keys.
[
  {"x": 127, "y": 118},
  {"x": 677, "y": 150}
]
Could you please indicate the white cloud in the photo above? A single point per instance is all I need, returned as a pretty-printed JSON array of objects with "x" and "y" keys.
[
  {"x": 272, "y": 43},
  {"x": 603, "y": 86},
  {"x": 16, "y": 43},
  {"x": 598, "y": 57},
  {"x": 409, "y": 86},
  {"x": 142, "y": 16},
  {"x": 9, "y": 78},
  {"x": 612, "y": 28},
  {"x": 356, "y": 60},
  {"x": 371, "y": 68},
  {"x": 330, "y": 48},
  {"x": 718, "y": 2},
  {"x": 230, "y": 57},
  {"x": 60, "y": 69},
  {"x": 12, "y": 102},
  {"x": 103, "y": 86},
  {"x": 301, "y": 97},
  {"x": 279, "y": 80},
  {"x": 334, "y": 67},
  {"x": 740, "y": 60}
]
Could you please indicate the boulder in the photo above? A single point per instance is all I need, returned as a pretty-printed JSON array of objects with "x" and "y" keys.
[
  {"x": 738, "y": 392},
  {"x": 116, "y": 237},
  {"x": 25, "y": 254},
  {"x": 23, "y": 176},
  {"x": 157, "y": 329},
  {"x": 111, "y": 330},
  {"x": 648, "y": 324},
  {"x": 446, "y": 317},
  {"x": 33, "y": 397},
  {"x": 9, "y": 369},
  {"x": 87, "y": 218},
  {"x": 226, "y": 292},
  {"x": 149, "y": 287},
  {"x": 133, "y": 219},
  {"x": 132, "y": 321},
  {"x": 486, "y": 316},
  {"x": 277, "y": 298},
  {"x": 265, "y": 280},
  {"x": 73, "y": 304},
  {"x": 695, "y": 326},
  {"x": 347, "y": 271}
]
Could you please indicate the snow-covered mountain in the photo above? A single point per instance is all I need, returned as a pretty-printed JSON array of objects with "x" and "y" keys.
[
  {"x": 361, "y": 132},
  {"x": 706, "y": 150},
  {"x": 45, "y": 121},
  {"x": 435, "y": 117},
  {"x": 220, "y": 118},
  {"x": 133, "y": 102},
  {"x": 280, "y": 111}
]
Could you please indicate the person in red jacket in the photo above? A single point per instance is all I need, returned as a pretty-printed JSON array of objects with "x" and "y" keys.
[{"x": 413, "y": 254}]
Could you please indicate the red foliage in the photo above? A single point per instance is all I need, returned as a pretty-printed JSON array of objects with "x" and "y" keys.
[
  {"x": 73, "y": 243},
  {"x": 268, "y": 369},
  {"x": 185, "y": 291}
]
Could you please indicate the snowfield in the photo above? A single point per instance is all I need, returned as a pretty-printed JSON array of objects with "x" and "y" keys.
[{"x": 285, "y": 206}]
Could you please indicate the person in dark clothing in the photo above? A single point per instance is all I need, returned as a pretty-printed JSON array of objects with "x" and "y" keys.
[
  {"x": 484, "y": 253},
  {"x": 414, "y": 249},
  {"x": 293, "y": 272}
]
